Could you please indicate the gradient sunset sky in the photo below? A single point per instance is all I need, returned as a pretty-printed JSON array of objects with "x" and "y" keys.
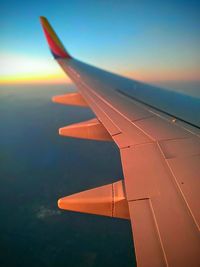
[{"x": 147, "y": 40}]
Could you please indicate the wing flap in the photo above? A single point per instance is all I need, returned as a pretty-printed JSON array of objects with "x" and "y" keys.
[
  {"x": 147, "y": 242},
  {"x": 156, "y": 183},
  {"x": 188, "y": 180}
]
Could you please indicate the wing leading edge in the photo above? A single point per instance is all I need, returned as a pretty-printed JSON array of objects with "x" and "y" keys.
[{"x": 160, "y": 154}]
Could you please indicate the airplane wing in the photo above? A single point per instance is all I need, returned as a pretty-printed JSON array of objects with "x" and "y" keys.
[{"x": 157, "y": 132}]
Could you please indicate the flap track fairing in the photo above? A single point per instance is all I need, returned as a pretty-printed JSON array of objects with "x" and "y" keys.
[
  {"x": 92, "y": 129},
  {"x": 108, "y": 200}
]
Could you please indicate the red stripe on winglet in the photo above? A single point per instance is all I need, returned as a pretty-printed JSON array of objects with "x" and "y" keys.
[{"x": 54, "y": 47}]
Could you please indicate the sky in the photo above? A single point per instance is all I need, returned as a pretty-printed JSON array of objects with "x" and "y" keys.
[{"x": 146, "y": 40}]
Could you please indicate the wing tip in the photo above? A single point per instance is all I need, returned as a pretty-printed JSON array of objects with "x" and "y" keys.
[{"x": 55, "y": 45}]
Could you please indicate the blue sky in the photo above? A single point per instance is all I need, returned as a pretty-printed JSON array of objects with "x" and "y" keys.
[{"x": 148, "y": 40}]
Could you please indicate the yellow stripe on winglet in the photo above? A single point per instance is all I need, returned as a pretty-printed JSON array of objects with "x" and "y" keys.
[{"x": 51, "y": 32}]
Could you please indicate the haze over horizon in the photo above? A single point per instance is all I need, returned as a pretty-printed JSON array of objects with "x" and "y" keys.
[{"x": 151, "y": 41}]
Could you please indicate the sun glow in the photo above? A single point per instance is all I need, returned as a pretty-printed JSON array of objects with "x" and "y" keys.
[{"x": 21, "y": 69}]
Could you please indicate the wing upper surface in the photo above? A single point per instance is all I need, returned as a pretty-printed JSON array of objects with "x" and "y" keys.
[
  {"x": 160, "y": 155},
  {"x": 160, "y": 158}
]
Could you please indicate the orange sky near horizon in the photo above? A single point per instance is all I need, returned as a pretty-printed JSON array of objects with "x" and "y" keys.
[
  {"x": 18, "y": 69},
  {"x": 59, "y": 77},
  {"x": 144, "y": 41}
]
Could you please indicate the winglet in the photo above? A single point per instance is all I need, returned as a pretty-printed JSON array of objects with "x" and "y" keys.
[{"x": 55, "y": 45}]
